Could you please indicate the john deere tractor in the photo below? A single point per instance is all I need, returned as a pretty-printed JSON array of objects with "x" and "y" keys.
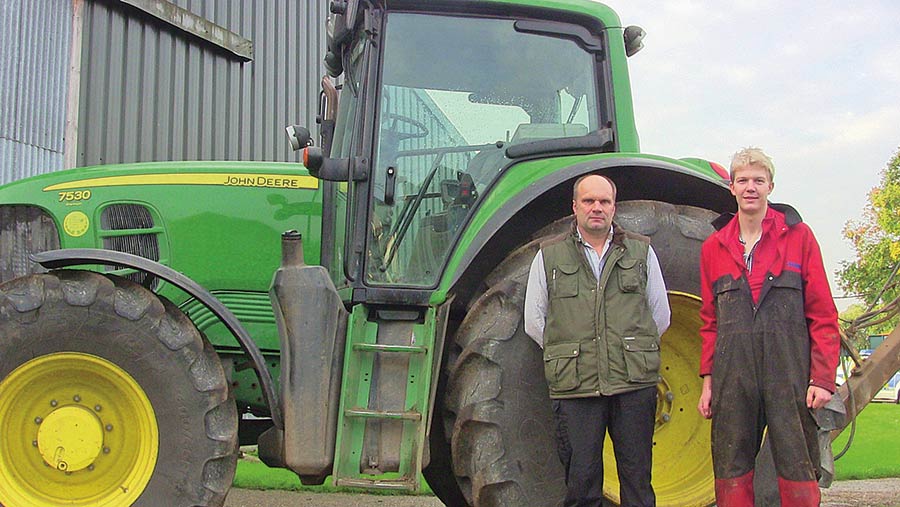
[{"x": 358, "y": 317}]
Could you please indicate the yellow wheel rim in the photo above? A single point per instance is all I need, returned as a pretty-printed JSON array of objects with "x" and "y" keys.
[
  {"x": 682, "y": 462},
  {"x": 75, "y": 429}
]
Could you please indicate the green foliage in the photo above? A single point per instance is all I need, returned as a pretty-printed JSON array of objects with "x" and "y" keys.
[
  {"x": 875, "y": 451},
  {"x": 876, "y": 239},
  {"x": 860, "y": 338}
]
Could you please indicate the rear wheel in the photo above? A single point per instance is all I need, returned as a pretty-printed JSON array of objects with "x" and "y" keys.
[
  {"x": 497, "y": 411},
  {"x": 108, "y": 396}
]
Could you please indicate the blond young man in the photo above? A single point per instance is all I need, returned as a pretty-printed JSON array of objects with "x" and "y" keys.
[{"x": 770, "y": 340}]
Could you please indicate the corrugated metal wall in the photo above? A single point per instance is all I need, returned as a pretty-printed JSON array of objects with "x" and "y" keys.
[
  {"x": 34, "y": 56},
  {"x": 152, "y": 92}
]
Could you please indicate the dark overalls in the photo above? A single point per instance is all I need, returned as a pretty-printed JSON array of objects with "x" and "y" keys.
[
  {"x": 764, "y": 353},
  {"x": 759, "y": 380}
]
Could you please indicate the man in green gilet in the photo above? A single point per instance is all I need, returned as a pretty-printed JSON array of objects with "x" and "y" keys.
[{"x": 596, "y": 303}]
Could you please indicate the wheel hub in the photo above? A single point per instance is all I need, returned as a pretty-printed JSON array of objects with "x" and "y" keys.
[
  {"x": 62, "y": 438},
  {"x": 70, "y": 438},
  {"x": 664, "y": 400}
]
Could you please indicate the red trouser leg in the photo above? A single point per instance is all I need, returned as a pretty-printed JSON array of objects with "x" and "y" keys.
[
  {"x": 798, "y": 493},
  {"x": 735, "y": 492}
]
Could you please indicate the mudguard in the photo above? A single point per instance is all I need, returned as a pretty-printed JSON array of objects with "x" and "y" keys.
[
  {"x": 522, "y": 201},
  {"x": 54, "y": 259}
]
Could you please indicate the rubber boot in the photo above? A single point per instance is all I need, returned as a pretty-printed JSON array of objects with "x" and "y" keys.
[
  {"x": 799, "y": 493},
  {"x": 735, "y": 492}
]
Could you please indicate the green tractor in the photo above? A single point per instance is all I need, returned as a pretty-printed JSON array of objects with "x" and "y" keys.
[{"x": 143, "y": 336}]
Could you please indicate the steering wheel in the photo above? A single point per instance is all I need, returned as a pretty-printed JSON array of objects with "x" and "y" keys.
[{"x": 395, "y": 120}]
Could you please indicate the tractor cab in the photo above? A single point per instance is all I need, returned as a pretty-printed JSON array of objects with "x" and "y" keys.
[{"x": 431, "y": 109}]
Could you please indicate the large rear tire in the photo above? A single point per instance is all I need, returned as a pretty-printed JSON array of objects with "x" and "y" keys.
[
  {"x": 108, "y": 396},
  {"x": 497, "y": 411}
]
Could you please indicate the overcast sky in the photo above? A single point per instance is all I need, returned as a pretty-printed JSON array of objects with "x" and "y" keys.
[{"x": 814, "y": 83}]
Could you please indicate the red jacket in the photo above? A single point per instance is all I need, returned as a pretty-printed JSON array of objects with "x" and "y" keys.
[{"x": 787, "y": 245}]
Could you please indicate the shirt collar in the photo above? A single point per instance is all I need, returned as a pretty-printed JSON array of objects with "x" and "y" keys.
[{"x": 584, "y": 243}]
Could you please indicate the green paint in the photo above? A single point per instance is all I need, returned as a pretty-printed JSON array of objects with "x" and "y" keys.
[
  {"x": 359, "y": 420},
  {"x": 224, "y": 237},
  {"x": 219, "y": 223}
]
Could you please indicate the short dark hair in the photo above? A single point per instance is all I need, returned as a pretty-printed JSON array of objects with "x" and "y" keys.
[{"x": 583, "y": 176}]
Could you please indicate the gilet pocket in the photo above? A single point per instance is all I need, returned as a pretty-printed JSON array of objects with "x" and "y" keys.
[
  {"x": 561, "y": 366},
  {"x": 564, "y": 281},
  {"x": 629, "y": 275},
  {"x": 642, "y": 359}
]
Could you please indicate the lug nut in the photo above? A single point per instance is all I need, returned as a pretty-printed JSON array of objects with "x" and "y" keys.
[
  {"x": 34, "y": 443},
  {"x": 97, "y": 408},
  {"x": 77, "y": 398},
  {"x": 670, "y": 396},
  {"x": 106, "y": 450},
  {"x": 91, "y": 467},
  {"x": 38, "y": 420},
  {"x": 666, "y": 417},
  {"x": 53, "y": 403},
  {"x": 109, "y": 427}
]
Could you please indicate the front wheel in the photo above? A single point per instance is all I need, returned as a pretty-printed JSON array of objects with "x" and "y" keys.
[
  {"x": 108, "y": 396},
  {"x": 497, "y": 411}
]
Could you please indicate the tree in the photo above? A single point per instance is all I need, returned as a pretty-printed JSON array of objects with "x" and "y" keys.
[
  {"x": 860, "y": 337},
  {"x": 876, "y": 239}
]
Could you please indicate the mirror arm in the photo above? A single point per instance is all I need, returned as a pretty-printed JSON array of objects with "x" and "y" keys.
[{"x": 334, "y": 169}]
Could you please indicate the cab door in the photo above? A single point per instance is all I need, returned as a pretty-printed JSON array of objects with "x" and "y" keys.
[{"x": 345, "y": 202}]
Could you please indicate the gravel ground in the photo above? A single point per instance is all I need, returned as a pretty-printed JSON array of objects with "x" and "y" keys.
[{"x": 870, "y": 493}]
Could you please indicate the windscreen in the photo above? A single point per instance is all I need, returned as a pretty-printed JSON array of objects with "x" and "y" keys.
[{"x": 455, "y": 92}]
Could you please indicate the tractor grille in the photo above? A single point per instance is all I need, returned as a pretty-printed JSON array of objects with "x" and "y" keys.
[
  {"x": 126, "y": 216},
  {"x": 129, "y": 228},
  {"x": 144, "y": 245},
  {"x": 24, "y": 230}
]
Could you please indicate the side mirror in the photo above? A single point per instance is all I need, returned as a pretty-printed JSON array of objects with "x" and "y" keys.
[
  {"x": 298, "y": 136},
  {"x": 634, "y": 36}
]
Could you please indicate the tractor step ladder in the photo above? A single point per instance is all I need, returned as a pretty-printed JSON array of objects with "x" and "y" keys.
[{"x": 384, "y": 399}]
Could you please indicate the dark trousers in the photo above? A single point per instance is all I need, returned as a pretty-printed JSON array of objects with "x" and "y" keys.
[{"x": 581, "y": 426}]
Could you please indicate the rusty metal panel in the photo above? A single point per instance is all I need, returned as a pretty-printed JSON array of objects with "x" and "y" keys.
[
  {"x": 34, "y": 53},
  {"x": 152, "y": 92}
]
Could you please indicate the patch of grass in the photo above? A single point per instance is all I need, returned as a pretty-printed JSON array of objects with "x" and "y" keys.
[
  {"x": 256, "y": 475},
  {"x": 252, "y": 474},
  {"x": 875, "y": 451}
]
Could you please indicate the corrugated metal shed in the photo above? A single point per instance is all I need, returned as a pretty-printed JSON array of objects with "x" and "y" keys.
[
  {"x": 150, "y": 91},
  {"x": 34, "y": 54}
]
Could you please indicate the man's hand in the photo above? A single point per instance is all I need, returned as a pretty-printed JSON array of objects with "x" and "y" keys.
[
  {"x": 705, "y": 405},
  {"x": 816, "y": 397}
]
